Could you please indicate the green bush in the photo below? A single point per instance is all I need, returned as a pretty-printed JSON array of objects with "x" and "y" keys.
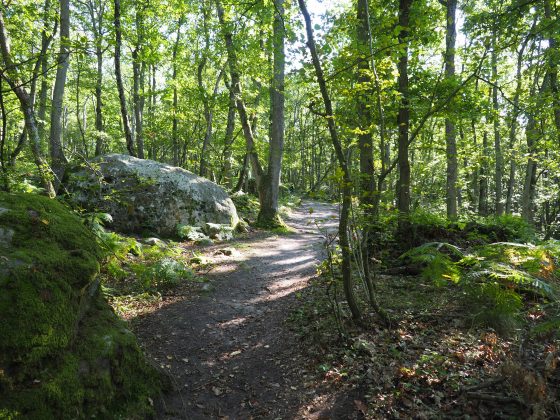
[
  {"x": 498, "y": 279},
  {"x": 164, "y": 274}
]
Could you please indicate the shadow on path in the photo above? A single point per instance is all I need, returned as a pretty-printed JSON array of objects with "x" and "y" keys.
[{"x": 229, "y": 351}]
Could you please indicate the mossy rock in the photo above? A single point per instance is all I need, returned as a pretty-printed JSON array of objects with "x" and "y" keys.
[
  {"x": 63, "y": 352},
  {"x": 45, "y": 273}
]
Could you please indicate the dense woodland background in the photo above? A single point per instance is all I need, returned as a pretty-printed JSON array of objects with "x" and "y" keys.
[
  {"x": 435, "y": 125},
  {"x": 439, "y": 106}
]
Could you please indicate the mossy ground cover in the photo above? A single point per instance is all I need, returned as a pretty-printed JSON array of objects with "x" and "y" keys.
[{"x": 63, "y": 353}]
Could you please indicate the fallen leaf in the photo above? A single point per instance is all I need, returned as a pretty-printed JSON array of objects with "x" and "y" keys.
[{"x": 360, "y": 406}]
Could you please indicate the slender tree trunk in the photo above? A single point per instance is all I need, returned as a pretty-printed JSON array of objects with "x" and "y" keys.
[
  {"x": 552, "y": 63},
  {"x": 41, "y": 69},
  {"x": 346, "y": 181},
  {"x": 529, "y": 185},
  {"x": 10, "y": 74},
  {"x": 3, "y": 163},
  {"x": 138, "y": 100},
  {"x": 99, "y": 146},
  {"x": 513, "y": 127},
  {"x": 58, "y": 160},
  {"x": 81, "y": 126},
  {"x": 96, "y": 16},
  {"x": 365, "y": 120},
  {"x": 403, "y": 120},
  {"x": 450, "y": 134},
  {"x": 225, "y": 178},
  {"x": 368, "y": 194},
  {"x": 138, "y": 82},
  {"x": 209, "y": 118},
  {"x": 242, "y": 174},
  {"x": 499, "y": 160},
  {"x": 268, "y": 214},
  {"x": 175, "y": 128},
  {"x": 532, "y": 137},
  {"x": 235, "y": 77},
  {"x": 483, "y": 178},
  {"x": 118, "y": 76}
]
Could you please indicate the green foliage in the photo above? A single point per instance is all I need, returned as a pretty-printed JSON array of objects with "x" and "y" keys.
[
  {"x": 163, "y": 274},
  {"x": 438, "y": 261},
  {"x": 499, "y": 279},
  {"x": 504, "y": 228},
  {"x": 132, "y": 267},
  {"x": 247, "y": 206}
]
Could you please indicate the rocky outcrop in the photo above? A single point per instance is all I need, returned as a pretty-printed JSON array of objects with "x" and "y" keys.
[
  {"x": 63, "y": 352},
  {"x": 151, "y": 197}
]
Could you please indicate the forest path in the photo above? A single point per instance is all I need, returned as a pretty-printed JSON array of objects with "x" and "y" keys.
[{"x": 229, "y": 351}]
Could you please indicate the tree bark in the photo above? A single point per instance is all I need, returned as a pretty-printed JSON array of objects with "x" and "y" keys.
[
  {"x": 346, "y": 180},
  {"x": 97, "y": 16},
  {"x": 118, "y": 75},
  {"x": 483, "y": 178},
  {"x": 138, "y": 79},
  {"x": 364, "y": 116},
  {"x": 450, "y": 133},
  {"x": 235, "y": 77},
  {"x": 58, "y": 160},
  {"x": 513, "y": 127},
  {"x": 403, "y": 119},
  {"x": 268, "y": 214},
  {"x": 499, "y": 160},
  {"x": 175, "y": 127},
  {"x": 225, "y": 177},
  {"x": 11, "y": 76}
]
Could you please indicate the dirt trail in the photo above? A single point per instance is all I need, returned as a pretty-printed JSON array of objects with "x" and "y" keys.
[{"x": 229, "y": 351}]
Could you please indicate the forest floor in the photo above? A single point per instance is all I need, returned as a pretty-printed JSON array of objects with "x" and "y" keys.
[
  {"x": 228, "y": 348},
  {"x": 252, "y": 336}
]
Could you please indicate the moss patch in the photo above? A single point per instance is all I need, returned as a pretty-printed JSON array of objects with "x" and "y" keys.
[
  {"x": 44, "y": 276},
  {"x": 63, "y": 352}
]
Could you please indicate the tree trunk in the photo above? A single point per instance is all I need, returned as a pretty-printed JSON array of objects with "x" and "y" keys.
[
  {"x": 10, "y": 74},
  {"x": 225, "y": 177},
  {"x": 513, "y": 127},
  {"x": 175, "y": 127},
  {"x": 235, "y": 77},
  {"x": 483, "y": 178},
  {"x": 99, "y": 146},
  {"x": 364, "y": 117},
  {"x": 138, "y": 76},
  {"x": 403, "y": 119},
  {"x": 532, "y": 137},
  {"x": 58, "y": 160},
  {"x": 96, "y": 17},
  {"x": 450, "y": 134},
  {"x": 529, "y": 185},
  {"x": 118, "y": 75},
  {"x": 499, "y": 161},
  {"x": 268, "y": 214},
  {"x": 552, "y": 63}
]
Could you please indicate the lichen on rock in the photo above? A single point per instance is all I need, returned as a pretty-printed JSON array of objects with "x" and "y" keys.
[{"x": 144, "y": 196}]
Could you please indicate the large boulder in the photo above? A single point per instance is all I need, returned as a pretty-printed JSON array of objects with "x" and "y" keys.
[
  {"x": 151, "y": 197},
  {"x": 63, "y": 352}
]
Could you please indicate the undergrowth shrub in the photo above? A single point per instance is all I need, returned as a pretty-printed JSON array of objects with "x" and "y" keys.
[
  {"x": 424, "y": 227},
  {"x": 163, "y": 274},
  {"x": 498, "y": 279},
  {"x": 133, "y": 267}
]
